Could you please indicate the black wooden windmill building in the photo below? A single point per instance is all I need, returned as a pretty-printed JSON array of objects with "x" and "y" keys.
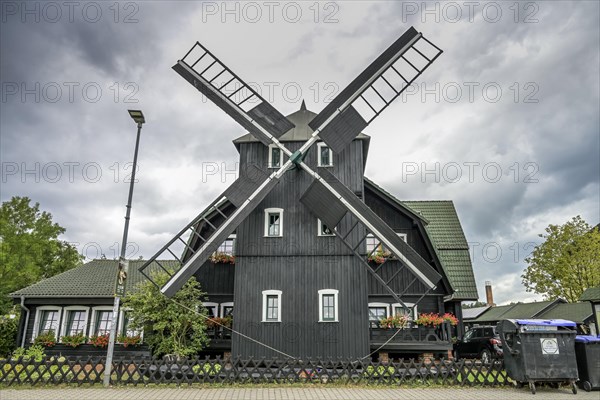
[{"x": 304, "y": 236}]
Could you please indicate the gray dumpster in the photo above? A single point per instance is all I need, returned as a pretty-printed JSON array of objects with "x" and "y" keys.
[
  {"x": 587, "y": 351},
  {"x": 537, "y": 350}
]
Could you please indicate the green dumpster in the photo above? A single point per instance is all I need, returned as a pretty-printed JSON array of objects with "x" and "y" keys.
[
  {"x": 537, "y": 350},
  {"x": 587, "y": 351}
]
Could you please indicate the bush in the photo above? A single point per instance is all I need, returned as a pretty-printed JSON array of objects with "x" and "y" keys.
[
  {"x": 207, "y": 368},
  {"x": 35, "y": 352},
  {"x": 381, "y": 371},
  {"x": 8, "y": 334}
]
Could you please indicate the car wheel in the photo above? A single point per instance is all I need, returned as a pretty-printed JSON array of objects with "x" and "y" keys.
[{"x": 485, "y": 356}]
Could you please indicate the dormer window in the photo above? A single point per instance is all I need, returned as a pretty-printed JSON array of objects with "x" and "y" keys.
[
  {"x": 274, "y": 222},
  {"x": 325, "y": 155},
  {"x": 274, "y": 156}
]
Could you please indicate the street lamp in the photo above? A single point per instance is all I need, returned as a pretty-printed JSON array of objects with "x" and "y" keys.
[{"x": 139, "y": 119}]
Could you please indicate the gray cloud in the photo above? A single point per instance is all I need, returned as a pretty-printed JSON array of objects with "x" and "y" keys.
[{"x": 186, "y": 136}]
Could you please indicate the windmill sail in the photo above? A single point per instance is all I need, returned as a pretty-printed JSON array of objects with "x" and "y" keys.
[
  {"x": 192, "y": 248},
  {"x": 339, "y": 199},
  {"x": 234, "y": 96},
  {"x": 374, "y": 89}
]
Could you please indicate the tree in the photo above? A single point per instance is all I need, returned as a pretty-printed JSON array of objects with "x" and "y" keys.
[
  {"x": 566, "y": 263},
  {"x": 8, "y": 333},
  {"x": 169, "y": 324},
  {"x": 29, "y": 247},
  {"x": 474, "y": 305}
]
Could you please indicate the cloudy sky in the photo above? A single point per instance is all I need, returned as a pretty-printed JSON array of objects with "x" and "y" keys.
[{"x": 505, "y": 123}]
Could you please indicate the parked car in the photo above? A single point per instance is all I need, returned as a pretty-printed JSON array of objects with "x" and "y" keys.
[{"x": 479, "y": 342}]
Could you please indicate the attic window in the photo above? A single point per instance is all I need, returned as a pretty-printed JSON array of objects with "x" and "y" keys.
[
  {"x": 325, "y": 155},
  {"x": 274, "y": 156}
]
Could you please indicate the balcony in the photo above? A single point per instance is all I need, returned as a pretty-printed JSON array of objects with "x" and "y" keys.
[
  {"x": 413, "y": 338},
  {"x": 220, "y": 338}
]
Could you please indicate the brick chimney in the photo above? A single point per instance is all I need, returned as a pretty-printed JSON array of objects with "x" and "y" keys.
[{"x": 488, "y": 293}]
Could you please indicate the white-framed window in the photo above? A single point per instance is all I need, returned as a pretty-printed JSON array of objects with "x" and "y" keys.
[
  {"x": 374, "y": 243},
  {"x": 325, "y": 155},
  {"x": 324, "y": 230},
  {"x": 227, "y": 309},
  {"x": 328, "y": 305},
  {"x": 75, "y": 321},
  {"x": 412, "y": 313},
  {"x": 228, "y": 246},
  {"x": 124, "y": 325},
  {"x": 271, "y": 309},
  {"x": 101, "y": 320},
  {"x": 212, "y": 309},
  {"x": 274, "y": 222},
  {"x": 47, "y": 318},
  {"x": 378, "y": 311},
  {"x": 275, "y": 156}
]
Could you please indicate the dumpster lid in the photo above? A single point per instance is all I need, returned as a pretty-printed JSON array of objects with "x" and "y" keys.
[
  {"x": 587, "y": 339},
  {"x": 546, "y": 322}
]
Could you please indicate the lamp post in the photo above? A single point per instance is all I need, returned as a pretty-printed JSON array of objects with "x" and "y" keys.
[{"x": 138, "y": 117}]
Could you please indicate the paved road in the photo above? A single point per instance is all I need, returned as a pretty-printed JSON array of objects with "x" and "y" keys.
[{"x": 290, "y": 393}]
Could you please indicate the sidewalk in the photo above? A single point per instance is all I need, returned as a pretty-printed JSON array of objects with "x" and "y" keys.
[{"x": 289, "y": 393}]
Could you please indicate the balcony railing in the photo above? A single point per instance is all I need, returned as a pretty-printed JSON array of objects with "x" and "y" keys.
[{"x": 411, "y": 337}]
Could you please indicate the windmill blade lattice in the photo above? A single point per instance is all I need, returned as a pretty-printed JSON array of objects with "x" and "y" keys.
[
  {"x": 228, "y": 91},
  {"x": 374, "y": 89},
  {"x": 191, "y": 248},
  {"x": 329, "y": 199}
]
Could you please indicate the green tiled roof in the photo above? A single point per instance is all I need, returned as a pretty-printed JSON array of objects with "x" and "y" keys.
[
  {"x": 450, "y": 243},
  {"x": 93, "y": 279},
  {"x": 519, "y": 310},
  {"x": 493, "y": 314},
  {"x": 576, "y": 312},
  {"x": 527, "y": 310},
  {"x": 591, "y": 294}
]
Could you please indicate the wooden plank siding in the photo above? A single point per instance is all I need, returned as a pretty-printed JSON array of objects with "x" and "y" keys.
[
  {"x": 299, "y": 264},
  {"x": 299, "y": 333}
]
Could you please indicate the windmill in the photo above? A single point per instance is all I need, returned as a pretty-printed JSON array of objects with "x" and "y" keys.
[{"x": 338, "y": 124}]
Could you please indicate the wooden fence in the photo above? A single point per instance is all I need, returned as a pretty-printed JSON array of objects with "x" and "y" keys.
[{"x": 145, "y": 371}]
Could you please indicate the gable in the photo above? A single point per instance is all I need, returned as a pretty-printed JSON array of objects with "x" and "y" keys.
[{"x": 441, "y": 225}]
